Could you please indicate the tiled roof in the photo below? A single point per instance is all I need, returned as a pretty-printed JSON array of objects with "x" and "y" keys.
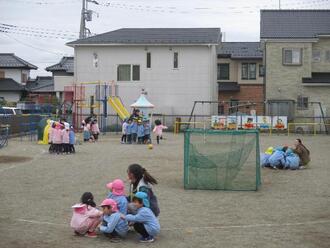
[
  {"x": 240, "y": 50},
  {"x": 281, "y": 24},
  {"x": 66, "y": 64},
  {"x": 8, "y": 84},
  {"x": 41, "y": 84},
  {"x": 155, "y": 36},
  {"x": 10, "y": 60}
]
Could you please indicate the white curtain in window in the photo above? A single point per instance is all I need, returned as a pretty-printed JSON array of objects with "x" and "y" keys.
[{"x": 124, "y": 73}]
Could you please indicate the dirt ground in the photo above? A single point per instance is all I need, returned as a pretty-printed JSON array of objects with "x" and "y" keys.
[{"x": 291, "y": 209}]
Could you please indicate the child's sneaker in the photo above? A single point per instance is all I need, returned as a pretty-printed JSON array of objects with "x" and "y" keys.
[
  {"x": 149, "y": 239},
  {"x": 91, "y": 235}
]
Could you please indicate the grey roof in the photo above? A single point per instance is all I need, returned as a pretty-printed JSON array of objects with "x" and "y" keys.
[
  {"x": 229, "y": 86},
  {"x": 155, "y": 36},
  {"x": 281, "y": 24},
  {"x": 8, "y": 84},
  {"x": 318, "y": 78},
  {"x": 66, "y": 64},
  {"x": 10, "y": 60},
  {"x": 240, "y": 50},
  {"x": 41, "y": 84}
]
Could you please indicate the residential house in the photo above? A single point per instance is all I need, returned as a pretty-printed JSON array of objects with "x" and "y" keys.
[
  {"x": 296, "y": 46},
  {"x": 62, "y": 74},
  {"x": 175, "y": 66},
  {"x": 41, "y": 89},
  {"x": 240, "y": 77},
  {"x": 14, "y": 73}
]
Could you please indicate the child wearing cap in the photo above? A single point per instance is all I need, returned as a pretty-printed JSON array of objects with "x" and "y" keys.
[
  {"x": 147, "y": 130},
  {"x": 158, "y": 130},
  {"x": 124, "y": 132},
  {"x": 292, "y": 160},
  {"x": 134, "y": 129},
  {"x": 66, "y": 138},
  {"x": 95, "y": 129},
  {"x": 129, "y": 131},
  {"x": 140, "y": 132},
  {"x": 50, "y": 137},
  {"x": 57, "y": 138},
  {"x": 86, "y": 217},
  {"x": 117, "y": 193},
  {"x": 145, "y": 222},
  {"x": 113, "y": 225},
  {"x": 264, "y": 157},
  {"x": 72, "y": 140},
  {"x": 277, "y": 159}
]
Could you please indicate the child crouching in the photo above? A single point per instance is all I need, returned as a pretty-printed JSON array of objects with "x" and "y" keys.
[
  {"x": 113, "y": 225},
  {"x": 145, "y": 222}
]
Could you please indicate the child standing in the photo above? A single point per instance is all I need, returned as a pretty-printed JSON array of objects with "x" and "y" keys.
[
  {"x": 95, "y": 129},
  {"x": 117, "y": 193},
  {"x": 129, "y": 131},
  {"x": 86, "y": 217},
  {"x": 113, "y": 225},
  {"x": 50, "y": 137},
  {"x": 86, "y": 133},
  {"x": 145, "y": 222},
  {"x": 124, "y": 132},
  {"x": 72, "y": 140},
  {"x": 57, "y": 138},
  {"x": 158, "y": 130},
  {"x": 66, "y": 138},
  {"x": 140, "y": 132},
  {"x": 134, "y": 129},
  {"x": 146, "y": 138}
]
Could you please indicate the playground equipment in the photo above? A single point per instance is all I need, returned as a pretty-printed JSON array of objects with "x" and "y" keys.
[
  {"x": 116, "y": 103},
  {"x": 4, "y": 133},
  {"x": 144, "y": 106}
]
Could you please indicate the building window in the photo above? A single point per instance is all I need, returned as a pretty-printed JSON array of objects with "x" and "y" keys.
[
  {"x": 2, "y": 74},
  {"x": 136, "y": 73},
  {"x": 124, "y": 73},
  {"x": 148, "y": 60},
  {"x": 327, "y": 56},
  {"x": 175, "y": 60},
  {"x": 223, "y": 71},
  {"x": 249, "y": 71},
  {"x": 24, "y": 78},
  {"x": 302, "y": 103},
  {"x": 221, "y": 109},
  {"x": 292, "y": 56},
  {"x": 316, "y": 55},
  {"x": 233, "y": 106},
  {"x": 261, "y": 71}
]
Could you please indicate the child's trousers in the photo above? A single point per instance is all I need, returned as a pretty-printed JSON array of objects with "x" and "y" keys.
[
  {"x": 123, "y": 138},
  {"x": 129, "y": 138},
  {"x": 139, "y": 228}
]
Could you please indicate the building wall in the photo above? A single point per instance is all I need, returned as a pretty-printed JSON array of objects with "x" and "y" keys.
[
  {"x": 285, "y": 82},
  {"x": 61, "y": 81},
  {"x": 248, "y": 93},
  {"x": 11, "y": 96},
  {"x": 172, "y": 91},
  {"x": 15, "y": 74},
  {"x": 235, "y": 71}
]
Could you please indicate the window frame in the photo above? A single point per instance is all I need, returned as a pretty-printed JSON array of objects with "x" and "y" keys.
[
  {"x": 248, "y": 64},
  {"x": 302, "y": 102},
  {"x": 318, "y": 59},
  {"x": 175, "y": 60},
  {"x": 219, "y": 71},
  {"x": 148, "y": 62},
  {"x": 327, "y": 56},
  {"x": 261, "y": 69},
  {"x": 132, "y": 71},
  {"x": 292, "y": 49}
]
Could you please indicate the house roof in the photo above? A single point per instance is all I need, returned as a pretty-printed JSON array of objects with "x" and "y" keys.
[
  {"x": 66, "y": 64},
  {"x": 41, "y": 84},
  {"x": 10, "y": 60},
  {"x": 229, "y": 86},
  {"x": 154, "y": 36},
  {"x": 294, "y": 24},
  {"x": 318, "y": 78},
  {"x": 8, "y": 84},
  {"x": 240, "y": 50}
]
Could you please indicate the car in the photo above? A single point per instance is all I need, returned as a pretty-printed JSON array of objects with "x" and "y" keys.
[{"x": 10, "y": 111}]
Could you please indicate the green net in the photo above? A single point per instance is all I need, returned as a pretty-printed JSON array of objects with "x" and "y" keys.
[{"x": 223, "y": 160}]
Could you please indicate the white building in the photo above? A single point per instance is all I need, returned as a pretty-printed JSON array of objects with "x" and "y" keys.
[{"x": 176, "y": 66}]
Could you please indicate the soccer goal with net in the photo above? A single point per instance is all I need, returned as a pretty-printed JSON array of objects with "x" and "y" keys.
[{"x": 221, "y": 160}]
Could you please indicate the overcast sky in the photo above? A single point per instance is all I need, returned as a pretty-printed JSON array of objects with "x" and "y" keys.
[{"x": 239, "y": 19}]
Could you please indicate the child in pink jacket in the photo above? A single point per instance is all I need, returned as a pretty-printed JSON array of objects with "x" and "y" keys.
[
  {"x": 86, "y": 217},
  {"x": 158, "y": 130},
  {"x": 95, "y": 129},
  {"x": 57, "y": 138},
  {"x": 66, "y": 139}
]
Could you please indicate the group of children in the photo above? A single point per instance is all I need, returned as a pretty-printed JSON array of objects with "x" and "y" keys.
[
  {"x": 91, "y": 129},
  {"x": 118, "y": 212},
  {"x": 136, "y": 130},
  {"x": 284, "y": 157},
  {"x": 61, "y": 138}
]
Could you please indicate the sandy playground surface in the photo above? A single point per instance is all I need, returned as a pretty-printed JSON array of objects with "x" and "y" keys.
[{"x": 292, "y": 208}]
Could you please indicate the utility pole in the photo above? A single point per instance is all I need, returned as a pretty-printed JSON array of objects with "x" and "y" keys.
[{"x": 86, "y": 16}]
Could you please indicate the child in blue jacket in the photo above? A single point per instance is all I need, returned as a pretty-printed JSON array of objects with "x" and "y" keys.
[
  {"x": 129, "y": 132},
  {"x": 147, "y": 131},
  {"x": 140, "y": 132},
  {"x": 277, "y": 159},
  {"x": 145, "y": 222},
  {"x": 113, "y": 225},
  {"x": 134, "y": 130},
  {"x": 264, "y": 157},
  {"x": 292, "y": 160},
  {"x": 72, "y": 140}
]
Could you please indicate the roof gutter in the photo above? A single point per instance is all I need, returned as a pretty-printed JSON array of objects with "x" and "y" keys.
[{"x": 147, "y": 44}]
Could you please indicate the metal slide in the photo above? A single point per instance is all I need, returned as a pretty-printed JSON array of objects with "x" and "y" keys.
[{"x": 119, "y": 108}]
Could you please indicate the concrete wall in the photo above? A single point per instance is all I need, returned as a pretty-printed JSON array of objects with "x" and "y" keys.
[
  {"x": 11, "y": 96},
  {"x": 172, "y": 91},
  {"x": 235, "y": 71},
  {"x": 61, "y": 81},
  {"x": 284, "y": 82},
  {"x": 15, "y": 74}
]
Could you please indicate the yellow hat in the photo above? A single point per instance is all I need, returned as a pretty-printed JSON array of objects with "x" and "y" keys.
[{"x": 269, "y": 150}]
